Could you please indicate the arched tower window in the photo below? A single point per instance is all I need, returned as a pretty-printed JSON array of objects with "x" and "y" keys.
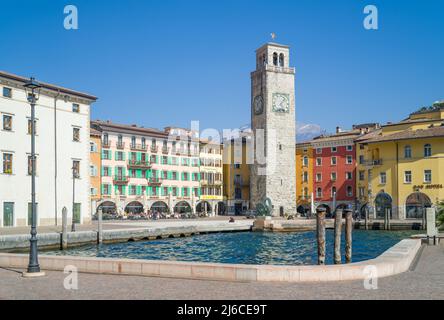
[
  {"x": 281, "y": 60},
  {"x": 275, "y": 59}
]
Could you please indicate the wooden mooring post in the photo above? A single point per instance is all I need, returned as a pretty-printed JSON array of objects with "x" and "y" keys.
[
  {"x": 348, "y": 234},
  {"x": 387, "y": 219},
  {"x": 320, "y": 232},
  {"x": 99, "y": 226},
  {"x": 338, "y": 229},
  {"x": 366, "y": 218}
]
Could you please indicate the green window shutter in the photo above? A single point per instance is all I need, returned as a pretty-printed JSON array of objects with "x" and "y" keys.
[
  {"x": 115, "y": 171},
  {"x": 115, "y": 154},
  {"x": 124, "y": 190},
  {"x": 102, "y": 187},
  {"x": 139, "y": 190},
  {"x": 139, "y": 156},
  {"x": 123, "y": 156},
  {"x": 102, "y": 171}
]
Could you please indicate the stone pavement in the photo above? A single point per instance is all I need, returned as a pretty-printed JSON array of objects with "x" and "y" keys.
[{"x": 424, "y": 281}]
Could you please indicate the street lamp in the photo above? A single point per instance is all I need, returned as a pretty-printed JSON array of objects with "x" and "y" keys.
[{"x": 32, "y": 91}]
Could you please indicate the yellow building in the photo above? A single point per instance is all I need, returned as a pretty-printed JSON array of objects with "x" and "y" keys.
[
  {"x": 404, "y": 164},
  {"x": 304, "y": 176},
  {"x": 95, "y": 167},
  {"x": 211, "y": 178},
  {"x": 236, "y": 175}
]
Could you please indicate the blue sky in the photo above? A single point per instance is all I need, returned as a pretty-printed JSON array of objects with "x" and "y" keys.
[{"x": 160, "y": 63}]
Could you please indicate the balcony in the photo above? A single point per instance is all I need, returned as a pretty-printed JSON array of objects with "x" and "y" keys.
[
  {"x": 372, "y": 163},
  {"x": 139, "y": 164},
  {"x": 211, "y": 182},
  {"x": 120, "y": 145},
  {"x": 154, "y": 149},
  {"x": 106, "y": 144},
  {"x": 155, "y": 181},
  {"x": 120, "y": 180},
  {"x": 165, "y": 150},
  {"x": 138, "y": 147}
]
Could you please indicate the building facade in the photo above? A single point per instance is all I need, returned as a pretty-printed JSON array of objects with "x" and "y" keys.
[
  {"x": 95, "y": 167},
  {"x": 236, "y": 174},
  {"x": 211, "y": 178},
  {"x": 304, "y": 177},
  {"x": 405, "y": 165},
  {"x": 273, "y": 122},
  {"x": 62, "y": 143}
]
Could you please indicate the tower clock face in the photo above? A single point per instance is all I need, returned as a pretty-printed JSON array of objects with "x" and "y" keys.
[
  {"x": 258, "y": 104},
  {"x": 281, "y": 102}
]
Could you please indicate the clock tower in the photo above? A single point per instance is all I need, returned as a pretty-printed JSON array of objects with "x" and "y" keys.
[{"x": 273, "y": 173}]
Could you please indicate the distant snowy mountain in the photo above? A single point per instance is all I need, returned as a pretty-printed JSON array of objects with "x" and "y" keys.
[{"x": 307, "y": 131}]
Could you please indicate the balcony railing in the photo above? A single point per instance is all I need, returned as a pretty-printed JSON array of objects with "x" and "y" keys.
[
  {"x": 165, "y": 150},
  {"x": 140, "y": 147},
  {"x": 120, "y": 179},
  {"x": 154, "y": 181},
  {"x": 120, "y": 145},
  {"x": 376, "y": 162},
  {"x": 139, "y": 164},
  {"x": 106, "y": 144},
  {"x": 154, "y": 149}
]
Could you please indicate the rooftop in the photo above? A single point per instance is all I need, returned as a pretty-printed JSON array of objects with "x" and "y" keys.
[{"x": 431, "y": 132}]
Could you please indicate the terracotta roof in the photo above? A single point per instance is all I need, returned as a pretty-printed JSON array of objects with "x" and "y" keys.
[
  {"x": 49, "y": 86},
  {"x": 433, "y": 132},
  {"x": 95, "y": 132},
  {"x": 337, "y": 136},
  {"x": 130, "y": 129},
  {"x": 370, "y": 135}
]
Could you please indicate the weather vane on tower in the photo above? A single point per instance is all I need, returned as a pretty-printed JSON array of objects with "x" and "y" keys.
[{"x": 273, "y": 35}]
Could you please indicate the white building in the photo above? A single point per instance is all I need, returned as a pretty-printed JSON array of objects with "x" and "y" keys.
[{"x": 62, "y": 141}]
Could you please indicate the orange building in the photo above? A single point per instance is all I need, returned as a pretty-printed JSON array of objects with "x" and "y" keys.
[
  {"x": 95, "y": 167},
  {"x": 304, "y": 179}
]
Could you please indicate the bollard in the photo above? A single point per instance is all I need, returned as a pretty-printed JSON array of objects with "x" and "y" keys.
[
  {"x": 99, "y": 226},
  {"x": 385, "y": 218},
  {"x": 338, "y": 229},
  {"x": 424, "y": 220},
  {"x": 388, "y": 218},
  {"x": 64, "y": 245},
  {"x": 348, "y": 235},
  {"x": 366, "y": 218},
  {"x": 320, "y": 231}
]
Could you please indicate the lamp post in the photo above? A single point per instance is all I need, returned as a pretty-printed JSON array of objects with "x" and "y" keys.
[{"x": 32, "y": 91}]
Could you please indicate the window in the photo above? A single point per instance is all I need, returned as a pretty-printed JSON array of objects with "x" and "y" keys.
[
  {"x": 7, "y": 163},
  {"x": 275, "y": 59},
  {"x": 349, "y": 191},
  {"x": 133, "y": 142},
  {"x": 106, "y": 154},
  {"x": 407, "y": 177},
  {"x": 361, "y": 192},
  {"x": 333, "y": 161},
  {"x": 174, "y": 175},
  {"x": 334, "y": 149},
  {"x": 281, "y": 60},
  {"x": 349, "y": 160},
  {"x": 75, "y": 108},
  {"x": 132, "y": 190},
  {"x": 143, "y": 143},
  {"x": 76, "y": 134},
  {"x": 8, "y": 214},
  {"x": 318, "y": 177},
  {"x": 7, "y": 122},
  {"x": 93, "y": 191},
  {"x": 106, "y": 171},
  {"x": 238, "y": 193},
  {"x": 361, "y": 159},
  {"x": 427, "y": 176},
  {"x": 119, "y": 156},
  {"x": 333, "y": 176},
  {"x": 305, "y": 176},
  {"x": 92, "y": 146},
  {"x": 92, "y": 170},
  {"x": 105, "y": 139},
  {"x": 427, "y": 150},
  {"x": 76, "y": 168},
  {"x": 30, "y": 126},
  {"x": 362, "y": 175},
  {"x": 318, "y": 162},
  {"x": 237, "y": 166},
  {"x": 319, "y": 192},
  {"x": 7, "y": 92},
  {"x": 305, "y": 161},
  {"x": 107, "y": 189},
  {"x": 350, "y": 148},
  {"x": 349, "y": 175},
  {"x": 318, "y": 150},
  {"x": 305, "y": 192},
  {"x": 407, "y": 152},
  {"x": 382, "y": 178},
  {"x": 333, "y": 191},
  {"x": 120, "y": 141},
  {"x": 30, "y": 165}
]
